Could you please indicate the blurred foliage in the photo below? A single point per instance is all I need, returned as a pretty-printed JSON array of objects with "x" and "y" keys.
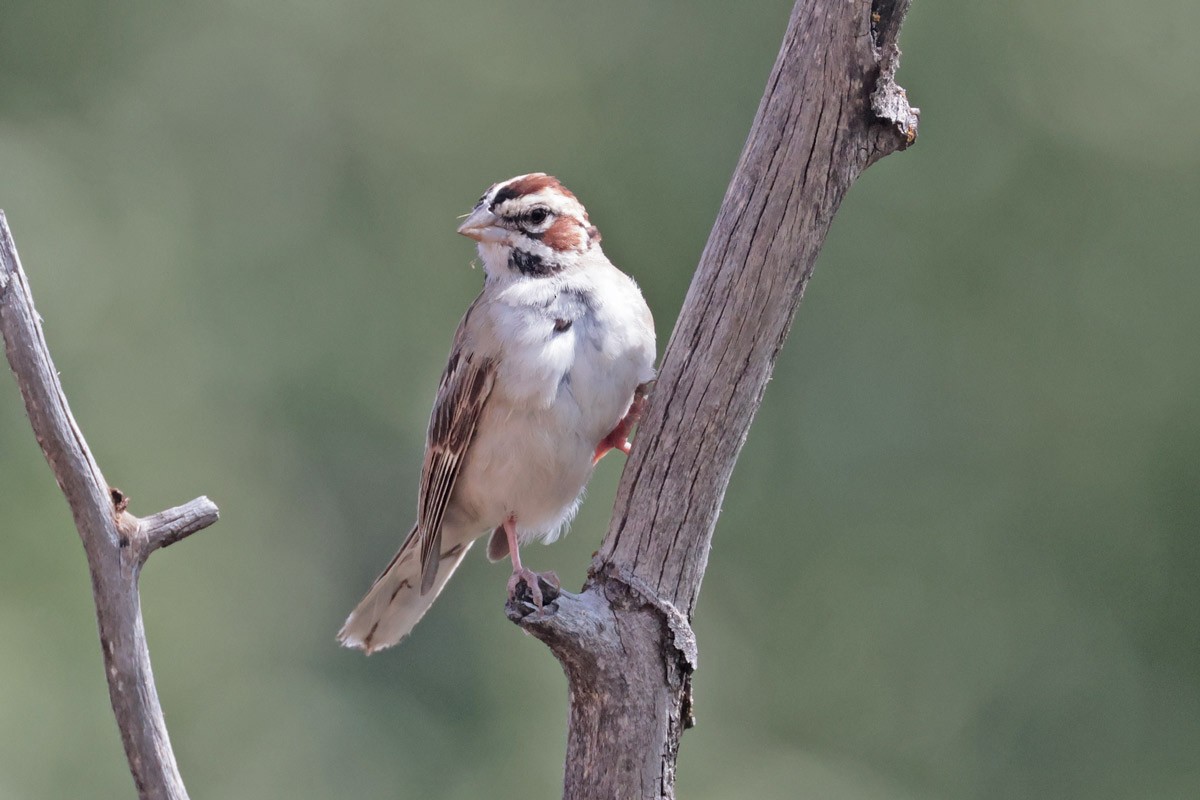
[{"x": 959, "y": 555}]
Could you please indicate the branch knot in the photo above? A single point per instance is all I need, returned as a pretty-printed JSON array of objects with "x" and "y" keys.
[
  {"x": 683, "y": 638},
  {"x": 889, "y": 101}
]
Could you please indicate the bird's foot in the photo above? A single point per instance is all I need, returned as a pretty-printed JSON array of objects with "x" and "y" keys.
[
  {"x": 618, "y": 438},
  {"x": 533, "y": 583}
]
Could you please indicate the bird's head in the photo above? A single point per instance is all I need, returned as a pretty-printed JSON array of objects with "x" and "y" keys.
[{"x": 530, "y": 225}]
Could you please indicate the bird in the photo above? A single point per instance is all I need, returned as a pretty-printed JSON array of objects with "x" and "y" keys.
[{"x": 549, "y": 370}]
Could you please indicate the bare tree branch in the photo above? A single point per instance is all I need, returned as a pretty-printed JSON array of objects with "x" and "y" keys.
[
  {"x": 831, "y": 108},
  {"x": 117, "y": 543}
]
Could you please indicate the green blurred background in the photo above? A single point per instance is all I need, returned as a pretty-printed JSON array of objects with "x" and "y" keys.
[{"x": 958, "y": 558}]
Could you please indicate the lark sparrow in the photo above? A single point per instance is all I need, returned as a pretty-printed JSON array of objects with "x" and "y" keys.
[{"x": 546, "y": 374}]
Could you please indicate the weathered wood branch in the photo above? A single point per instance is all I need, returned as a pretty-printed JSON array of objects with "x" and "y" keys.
[
  {"x": 831, "y": 108},
  {"x": 117, "y": 543}
]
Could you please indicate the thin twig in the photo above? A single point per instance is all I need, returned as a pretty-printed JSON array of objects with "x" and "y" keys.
[
  {"x": 168, "y": 527},
  {"x": 116, "y": 542}
]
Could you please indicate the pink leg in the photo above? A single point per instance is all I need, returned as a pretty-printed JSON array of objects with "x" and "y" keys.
[
  {"x": 521, "y": 574},
  {"x": 618, "y": 438}
]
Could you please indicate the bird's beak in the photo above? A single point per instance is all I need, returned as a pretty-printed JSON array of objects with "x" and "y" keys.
[{"x": 481, "y": 225}]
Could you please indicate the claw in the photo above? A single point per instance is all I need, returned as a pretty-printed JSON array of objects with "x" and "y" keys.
[
  {"x": 522, "y": 574},
  {"x": 617, "y": 440},
  {"x": 532, "y": 581},
  {"x": 618, "y": 437}
]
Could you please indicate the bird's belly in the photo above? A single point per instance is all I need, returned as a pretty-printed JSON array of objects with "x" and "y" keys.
[
  {"x": 557, "y": 395},
  {"x": 531, "y": 465}
]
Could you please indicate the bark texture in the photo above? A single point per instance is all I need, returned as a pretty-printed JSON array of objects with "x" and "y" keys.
[
  {"x": 117, "y": 543},
  {"x": 831, "y": 108}
]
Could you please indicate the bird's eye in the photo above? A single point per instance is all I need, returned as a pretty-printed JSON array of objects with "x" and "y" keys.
[{"x": 538, "y": 215}]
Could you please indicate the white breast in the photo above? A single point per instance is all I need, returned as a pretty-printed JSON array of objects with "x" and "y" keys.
[{"x": 572, "y": 349}]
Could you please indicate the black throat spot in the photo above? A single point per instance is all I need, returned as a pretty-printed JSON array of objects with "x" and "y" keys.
[{"x": 528, "y": 263}]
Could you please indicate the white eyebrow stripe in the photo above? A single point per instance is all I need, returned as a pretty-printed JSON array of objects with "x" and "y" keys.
[{"x": 557, "y": 202}]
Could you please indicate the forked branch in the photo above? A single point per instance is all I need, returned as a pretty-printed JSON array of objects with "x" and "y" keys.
[
  {"x": 117, "y": 543},
  {"x": 831, "y": 108}
]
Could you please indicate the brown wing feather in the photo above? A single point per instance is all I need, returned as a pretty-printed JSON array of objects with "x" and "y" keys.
[{"x": 462, "y": 394}]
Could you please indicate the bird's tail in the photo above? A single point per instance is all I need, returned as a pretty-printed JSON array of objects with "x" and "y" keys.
[{"x": 394, "y": 604}]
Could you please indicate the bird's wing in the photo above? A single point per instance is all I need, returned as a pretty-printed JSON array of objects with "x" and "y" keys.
[{"x": 461, "y": 397}]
